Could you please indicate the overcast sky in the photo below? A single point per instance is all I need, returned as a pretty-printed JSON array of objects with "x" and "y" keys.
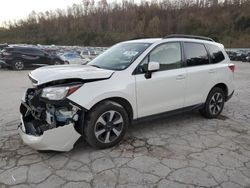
[{"x": 17, "y": 9}]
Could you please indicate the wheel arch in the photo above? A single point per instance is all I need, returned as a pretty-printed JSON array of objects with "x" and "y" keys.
[
  {"x": 223, "y": 86},
  {"x": 123, "y": 102}
]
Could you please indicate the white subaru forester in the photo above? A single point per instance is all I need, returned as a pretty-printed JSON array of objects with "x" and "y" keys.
[{"x": 130, "y": 81}]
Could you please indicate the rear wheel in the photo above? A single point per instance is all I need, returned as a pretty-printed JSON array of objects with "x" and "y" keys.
[
  {"x": 106, "y": 125},
  {"x": 214, "y": 103},
  {"x": 18, "y": 65}
]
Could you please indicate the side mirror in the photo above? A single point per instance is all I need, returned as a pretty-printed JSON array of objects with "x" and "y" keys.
[{"x": 152, "y": 67}]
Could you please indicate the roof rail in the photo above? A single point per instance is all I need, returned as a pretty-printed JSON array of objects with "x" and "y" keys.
[{"x": 188, "y": 36}]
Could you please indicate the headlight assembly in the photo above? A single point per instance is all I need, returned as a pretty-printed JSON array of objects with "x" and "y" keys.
[{"x": 58, "y": 93}]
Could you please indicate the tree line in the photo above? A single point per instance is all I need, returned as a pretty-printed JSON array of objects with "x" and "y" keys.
[{"x": 99, "y": 23}]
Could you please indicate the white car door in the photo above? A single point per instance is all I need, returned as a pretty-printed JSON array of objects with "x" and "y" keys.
[
  {"x": 200, "y": 74},
  {"x": 164, "y": 91}
]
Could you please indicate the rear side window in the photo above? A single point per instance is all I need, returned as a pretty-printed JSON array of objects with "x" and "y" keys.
[
  {"x": 196, "y": 54},
  {"x": 36, "y": 52},
  {"x": 24, "y": 50},
  {"x": 31, "y": 51},
  {"x": 215, "y": 53}
]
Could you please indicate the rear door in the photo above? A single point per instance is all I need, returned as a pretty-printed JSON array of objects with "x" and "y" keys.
[
  {"x": 44, "y": 57},
  {"x": 200, "y": 73},
  {"x": 164, "y": 91},
  {"x": 223, "y": 73},
  {"x": 28, "y": 56}
]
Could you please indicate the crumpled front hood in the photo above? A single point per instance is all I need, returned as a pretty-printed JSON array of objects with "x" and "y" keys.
[{"x": 59, "y": 72}]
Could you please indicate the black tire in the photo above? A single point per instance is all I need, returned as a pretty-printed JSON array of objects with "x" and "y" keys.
[
  {"x": 17, "y": 65},
  {"x": 214, "y": 103},
  {"x": 94, "y": 125}
]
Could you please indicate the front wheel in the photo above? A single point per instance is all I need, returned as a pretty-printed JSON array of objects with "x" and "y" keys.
[
  {"x": 214, "y": 103},
  {"x": 106, "y": 125},
  {"x": 18, "y": 65}
]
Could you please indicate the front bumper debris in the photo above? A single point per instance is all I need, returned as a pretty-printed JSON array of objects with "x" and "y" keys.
[
  {"x": 46, "y": 126},
  {"x": 58, "y": 139}
]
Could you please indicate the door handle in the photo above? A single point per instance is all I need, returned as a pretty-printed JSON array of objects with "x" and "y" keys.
[
  {"x": 180, "y": 77},
  {"x": 212, "y": 71}
]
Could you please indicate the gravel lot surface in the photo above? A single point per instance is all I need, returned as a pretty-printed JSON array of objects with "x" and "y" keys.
[{"x": 180, "y": 151}]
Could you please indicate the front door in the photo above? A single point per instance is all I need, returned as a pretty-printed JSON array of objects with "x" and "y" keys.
[{"x": 164, "y": 91}]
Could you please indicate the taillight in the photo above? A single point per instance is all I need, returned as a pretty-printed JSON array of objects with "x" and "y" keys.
[{"x": 232, "y": 67}]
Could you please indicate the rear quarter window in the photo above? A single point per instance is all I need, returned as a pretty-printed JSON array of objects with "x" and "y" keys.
[{"x": 215, "y": 53}]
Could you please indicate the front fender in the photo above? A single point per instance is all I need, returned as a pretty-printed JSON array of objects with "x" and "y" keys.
[
  {"x": 104, "y": 96},
  {"x": 92, "y": 93}
]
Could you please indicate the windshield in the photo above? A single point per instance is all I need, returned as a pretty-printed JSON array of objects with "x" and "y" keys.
[{"x": 120, "y": 56}]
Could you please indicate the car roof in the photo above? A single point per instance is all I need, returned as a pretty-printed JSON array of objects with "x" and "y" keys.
[
  {"x": 23, "y": 47},
  {"x": 155, "y": 40},
  {"x": 144, "y": 40}
]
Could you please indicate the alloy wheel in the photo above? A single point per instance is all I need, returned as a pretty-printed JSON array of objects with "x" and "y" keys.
[
  {"x": 109, "y": 126},
  {"x": 216, "y": 103},
  {"x": 19, "y": 65}
]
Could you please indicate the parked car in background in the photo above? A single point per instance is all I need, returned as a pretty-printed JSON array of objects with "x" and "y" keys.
[
  {"x": 241, "y": 55},
  {"x": 247, "y": 59},
  {"x": 50, "y": 51},
  {"x": 74, "y": 58},
  {"x": 18, "y": 57},
  {"x": 2, "y": 46},
  {"x": 2, "y": 64},
  {"x": 86, "y": 54},
  {"x": 231, "y": 55},
  {"x": 131, "y": 81}
]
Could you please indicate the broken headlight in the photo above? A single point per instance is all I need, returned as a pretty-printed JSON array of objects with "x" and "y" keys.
[{"x": 58, "y": 93}]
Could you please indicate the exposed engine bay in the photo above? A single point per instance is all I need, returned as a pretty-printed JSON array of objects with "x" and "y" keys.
[{"x": 40, "y": 115}]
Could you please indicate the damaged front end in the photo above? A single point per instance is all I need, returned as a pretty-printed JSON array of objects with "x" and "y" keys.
[{"x": 49, "y": 120}]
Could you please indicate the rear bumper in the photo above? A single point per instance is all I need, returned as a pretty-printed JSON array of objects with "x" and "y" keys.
[
  {"x": 229, "y": 96},
  {"x": 58, "y": 139}
]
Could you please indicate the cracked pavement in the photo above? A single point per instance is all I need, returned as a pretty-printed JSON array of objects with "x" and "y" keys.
[{"x": 180, "y": 151}]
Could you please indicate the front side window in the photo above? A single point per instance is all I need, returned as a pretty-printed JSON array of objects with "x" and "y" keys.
[
  {"x": 120, "y": 56},
  {"x": 215, "y": 53},
  {"x": 168, "y": 55},
  {"x": 196, "y": 54}
]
